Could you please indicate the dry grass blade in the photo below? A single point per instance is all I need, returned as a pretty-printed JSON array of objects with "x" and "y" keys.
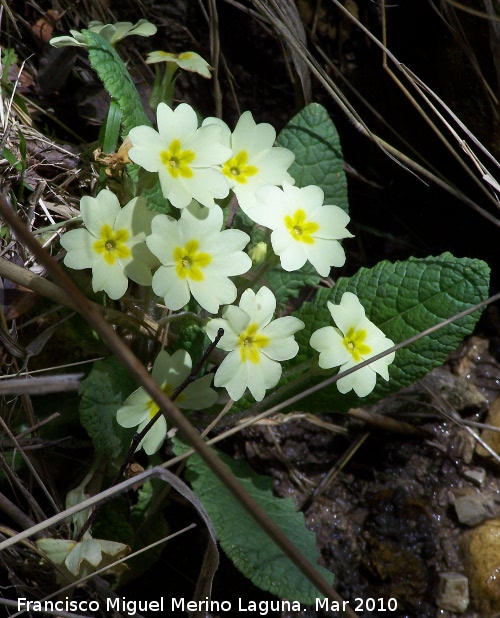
[
  {"x": 42, "y": 385},
  {"x": 447, "y": 410},
  {"x": 210, "y": 564},
  {"x": 50, "y": 290},
  {"x": 334, "y": 471},
  {"x": 30, "y": 466},
  {"x": 342, "y": 101}
]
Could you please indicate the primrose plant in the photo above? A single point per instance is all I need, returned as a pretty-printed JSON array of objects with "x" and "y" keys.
[{"x": 215, "y": 234}]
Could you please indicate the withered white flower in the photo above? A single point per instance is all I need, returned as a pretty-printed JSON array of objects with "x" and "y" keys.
[
  {"x": 111, "y": 32},
  {"x": 189, "y": 61}
]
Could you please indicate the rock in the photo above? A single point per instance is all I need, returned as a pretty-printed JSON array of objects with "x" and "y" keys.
[
  {"x": 453, "y": 592},
  {"x": 450, "y": 553},
  {"x": 474, "y": 362},
  {"x": 475, "y": 475},
  {"x": 471, "y": 510},
  {"x": 492, "y": 438},
  {"x": 481, "y": 548}
]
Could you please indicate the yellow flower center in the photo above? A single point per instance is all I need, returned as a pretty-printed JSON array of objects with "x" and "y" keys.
[
  {"x": 168, "y": 389},
  {"x": 177, "y": 160},
  {"x": 189, "y": 262},
  {"x": 249, "y": 342},
  {"x": 237, "y": 168},
  {"x": 354, "y": 342},
  {"x": 111, "y": 245},
  {"x": 300, "y": 229}
]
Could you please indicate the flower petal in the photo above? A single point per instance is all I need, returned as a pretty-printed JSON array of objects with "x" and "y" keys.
[
  {"x": 134, "y": 410},
  {"x": 232, "y": 375},
  {"x": 146, "y": 148},
  {"x": 262, "y": 376},
  {"x": 78, "y": 244},
  {"x": 155, "y": 437},
  {"x": 99, "y": 211},
  {"x": 180, "y": 123},
  {"x": 328, "y": 342},
  {"x": 198, "y": 395},
  {"x": 350, "y": 312},
  {"x": 138, "y": 272},
  {"x": 213, "y": 291},
  {"x": 252, "y": 137},
  {"x": 110, "y": 278},
  {"x": 325, "y": 254},
  {"x": 361, "y": 381},
  {"x": 135, "y": 217},
  {"x": 282, "y": 345},
  {"x": 332, "y": 221},
  {"x": 175, "y": 291},
  {"x": 260, "y": 306},
  {"x": 164, "y": 238}
]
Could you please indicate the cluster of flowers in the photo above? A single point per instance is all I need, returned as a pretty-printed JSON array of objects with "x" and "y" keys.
[{"x": 193, "y": 255}]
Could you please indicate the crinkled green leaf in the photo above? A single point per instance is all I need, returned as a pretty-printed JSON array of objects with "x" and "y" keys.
[
  {"x": 116, "y": 79},
  {"x": 113, "y": 522},
  {"x": 312, "y": 136},
  {"x": 288, "y": 285},
  {"x": 102, "y": 393},
  {"x": 246, "y": 544},
  {"x": 191, "y": 338},
  {"x": 403, "y": 299},
  {"x": 154, "y": 196}
]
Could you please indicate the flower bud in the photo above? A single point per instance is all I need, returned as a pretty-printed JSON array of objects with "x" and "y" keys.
[{"x": 258, "y": 253}]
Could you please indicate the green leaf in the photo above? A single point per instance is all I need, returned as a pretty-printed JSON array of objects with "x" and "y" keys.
[
  {"x": 286, "y": 285},
  {"x": 108, "y": 137},
  {"x": 110, "y": 131},
  {"x": 312, "y": 136},
  {"x": 191, "y": 338},
  {"x": 10, "y": 156},
  {"x": 116, "y": 79},
  {"x": 113, "y": 522},
  {"x": 153, "y": 194},
  {"x": 403, "y": 299},
  {"x": 102, "y": 393},
  {"x": 246, "y": 544}
]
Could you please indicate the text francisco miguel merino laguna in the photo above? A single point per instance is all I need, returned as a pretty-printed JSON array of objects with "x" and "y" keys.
[{"x": 132, "y": 607}]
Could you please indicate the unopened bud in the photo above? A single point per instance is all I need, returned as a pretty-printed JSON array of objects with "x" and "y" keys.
[{"x": 258, "y": 253}]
